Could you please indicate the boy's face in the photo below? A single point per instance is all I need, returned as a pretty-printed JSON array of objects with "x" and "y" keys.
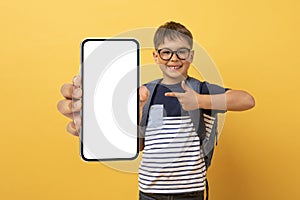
[{"x": 175, "y": 69}]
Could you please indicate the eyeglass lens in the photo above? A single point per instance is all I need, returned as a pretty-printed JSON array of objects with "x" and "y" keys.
[{"x": 166, "y": 54}]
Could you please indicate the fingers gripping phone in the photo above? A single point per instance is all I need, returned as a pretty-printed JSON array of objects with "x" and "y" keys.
[{"x": 110, "y": 81}]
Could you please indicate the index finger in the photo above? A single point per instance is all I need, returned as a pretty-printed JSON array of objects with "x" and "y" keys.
[
  {"x": 67, "y": 90},
  {"x": 173, "y": 94},
  {"x": 77, "y": 81}
]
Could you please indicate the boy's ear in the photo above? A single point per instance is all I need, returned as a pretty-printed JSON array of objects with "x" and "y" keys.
[
  {"x": 191, "y": 56},
  {"x": 155, "y": 56}
]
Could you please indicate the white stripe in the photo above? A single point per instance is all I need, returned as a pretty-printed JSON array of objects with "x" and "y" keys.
[
  {"x": 166, "y": 135},
  {"x": 185, "y": 173},
  {"x": 208, "y": 130},
  {"x": 178, "y": 121},
  {"x": 208, "y": 125},
  {"x": 171, "y": 125},
  {"x": 171, "y": 131},
  {"x": 169, "y": 140},
  {"x": 168, "y": 160},
  {"x": 209, "y": 121},
  {"x": 172, "y": 145},
  {"x": 177, "y": 117},
  {"x": 160, "y": 178},
  {"x": 208, "y": 116},
  {"x": 185, "y": 125},
  {"x": 174, "y": 126},
  {"x": 198, "y": 180},
  {"x": 195, "y": 153},
  {"x": 167, "y": 171},
  {"x": 154, "y": 166},
  {"x": 183, "y": 149},
  {"x": 179, "y": 161}
]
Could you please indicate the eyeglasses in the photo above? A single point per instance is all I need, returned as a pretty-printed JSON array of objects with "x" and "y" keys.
[{"x": 166, "y": 54}]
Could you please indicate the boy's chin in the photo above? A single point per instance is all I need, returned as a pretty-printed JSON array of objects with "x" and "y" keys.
[{"x": 174, "y": 78}]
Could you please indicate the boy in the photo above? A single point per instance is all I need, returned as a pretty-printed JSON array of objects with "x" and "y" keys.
[{"x": 173, "y": 165}]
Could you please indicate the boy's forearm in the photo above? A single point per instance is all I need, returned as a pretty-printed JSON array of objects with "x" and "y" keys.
[
  {"x": 232, "y": 100},
  {"x": 141, "y": 140},
  {"x": 141, "y": 144}
]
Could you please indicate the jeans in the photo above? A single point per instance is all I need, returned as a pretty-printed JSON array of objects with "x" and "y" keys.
[{"x": 199, "y": 195}]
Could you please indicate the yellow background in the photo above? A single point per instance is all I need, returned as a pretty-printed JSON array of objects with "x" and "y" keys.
[{"x": 255, "y": 45}]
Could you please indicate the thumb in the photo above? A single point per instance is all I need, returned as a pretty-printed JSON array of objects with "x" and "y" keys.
[
  {"x": 185, "y": 87},
  {"x": 144, "y": 93},
  {"x": 144, "y": 96}
]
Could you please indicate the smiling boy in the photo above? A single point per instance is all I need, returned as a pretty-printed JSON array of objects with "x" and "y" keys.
[{"x": 173, "y": 164}]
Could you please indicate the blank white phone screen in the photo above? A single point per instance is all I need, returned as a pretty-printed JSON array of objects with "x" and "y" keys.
[{"x": 110, "y": 78}]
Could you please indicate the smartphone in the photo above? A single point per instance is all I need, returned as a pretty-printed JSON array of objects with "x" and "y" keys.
[{"x": 110, "y": 80}]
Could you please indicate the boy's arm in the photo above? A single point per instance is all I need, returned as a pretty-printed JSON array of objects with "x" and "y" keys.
[
  {"x": 232, "y": 100},
  {"x": 141, "y": 143}
]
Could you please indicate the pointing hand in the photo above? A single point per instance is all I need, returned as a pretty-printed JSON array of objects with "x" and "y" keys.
[{"x": 188, "y": 99}]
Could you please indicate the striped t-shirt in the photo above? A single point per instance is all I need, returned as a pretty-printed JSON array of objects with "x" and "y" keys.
[{"x": 172, "y": 160}]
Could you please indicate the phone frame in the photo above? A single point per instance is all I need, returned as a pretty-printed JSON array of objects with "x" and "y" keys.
[{"x": 82, "y": 111}]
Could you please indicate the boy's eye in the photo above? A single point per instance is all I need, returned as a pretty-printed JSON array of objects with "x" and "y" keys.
[
  {"x": 183, "y": 51},
  {"x": 166, "y": 52}
]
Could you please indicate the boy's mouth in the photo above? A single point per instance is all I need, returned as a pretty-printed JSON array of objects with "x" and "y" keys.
[{"x": 174, "y": 67}]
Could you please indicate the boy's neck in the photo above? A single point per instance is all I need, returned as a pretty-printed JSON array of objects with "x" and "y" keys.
[{"x": 171, "y": 81}]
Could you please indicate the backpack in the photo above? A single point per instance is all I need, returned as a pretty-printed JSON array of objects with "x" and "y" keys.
[{"x": 207, "y": 141}]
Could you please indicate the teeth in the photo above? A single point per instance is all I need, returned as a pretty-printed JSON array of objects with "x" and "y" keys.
[{"x": 175, "y": 67}]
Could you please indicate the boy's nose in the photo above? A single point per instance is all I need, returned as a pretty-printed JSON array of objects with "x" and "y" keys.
[{"x": 174, "y": 57}]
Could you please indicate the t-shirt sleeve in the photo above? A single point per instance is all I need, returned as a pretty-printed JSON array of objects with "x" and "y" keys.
[{"x": 211, "y": 89}]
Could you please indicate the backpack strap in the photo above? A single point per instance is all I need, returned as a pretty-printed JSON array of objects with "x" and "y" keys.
[
  {"x": 207, "y": 189},
  {"x": 207, "y": 140},
  {"x": 196, "y": 115}
]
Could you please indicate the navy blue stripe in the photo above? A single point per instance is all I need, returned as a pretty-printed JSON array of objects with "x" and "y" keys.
[
  {"x": 174, "y": 137},
  {"x": 180, "y": 147},
  {"x": 178, "y": 175},
  {"x": 182, "y": 156},
  {"x": 174, "y": 123},
  {"x": 171, "y": 166},
  {"x": 172, "y": 171},
  {"x": 184, "y": 179},
  {"x": 162, "y": 129},
  {"x": 164, "y": 165},
  {"x": 189, "y": 131},
  {"x": 175, "y": 189},
  {"x": 179, "y": 124},
  {"x": 177, "y": 117},
  {"x": 180, "y": 161},
  {"x": 171, "y": 152},
  {"x": 179, "y": 184},
  {"x": 172, "y": 142}
]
